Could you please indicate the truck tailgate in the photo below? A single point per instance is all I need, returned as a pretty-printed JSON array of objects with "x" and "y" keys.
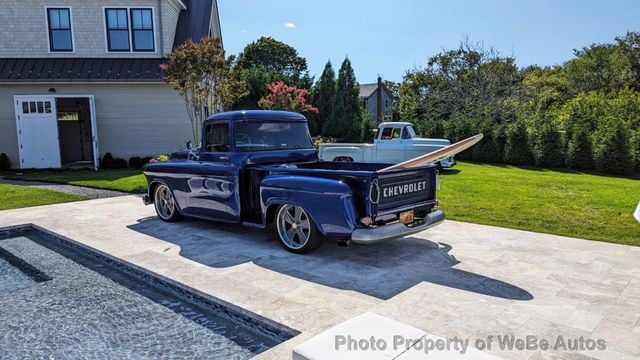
[{"x": 405, "y": 188}]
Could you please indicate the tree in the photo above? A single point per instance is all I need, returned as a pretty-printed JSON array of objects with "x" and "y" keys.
[
  {"x": 579, "y": 150},
  {"x": 547, "y": 145},
  {"x": 207, "y": 81},
  {"x": 323, "y": 96},
  {"x": 516, "y": 149},
  {"x": 265, "y": 61},
  {"x": 611, "y": 151},
  {"x": 274, "y": 56},
  {"x": 366, "y": 127},
  {"x": 345, "y": 119},
  {"x": 284, "y": 97}
]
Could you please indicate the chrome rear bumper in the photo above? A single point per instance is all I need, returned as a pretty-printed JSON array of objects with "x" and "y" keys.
[{"x": 396, "y": 230}]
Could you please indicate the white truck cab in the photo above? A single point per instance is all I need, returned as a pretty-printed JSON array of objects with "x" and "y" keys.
[{"x": 394, "y": 142}]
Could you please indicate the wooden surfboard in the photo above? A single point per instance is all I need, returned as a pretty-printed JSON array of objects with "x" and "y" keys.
[{"x": 437, "y": 155}]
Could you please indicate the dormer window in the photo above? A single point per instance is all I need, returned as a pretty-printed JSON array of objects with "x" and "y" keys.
[
  {"x": 117, "y": 29},
  {"x": 59, "y": 24},
  {"x": 130, "y": 29},
  {"x": 142, "y": 29}
]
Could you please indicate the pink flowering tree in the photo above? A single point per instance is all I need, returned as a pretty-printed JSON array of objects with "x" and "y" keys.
[{"x": 286, "y": 97}]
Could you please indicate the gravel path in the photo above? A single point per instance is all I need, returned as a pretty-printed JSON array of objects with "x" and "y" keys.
[{"x": 91, "y": 193}]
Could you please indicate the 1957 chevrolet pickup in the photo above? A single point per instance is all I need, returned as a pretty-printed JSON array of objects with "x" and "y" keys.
[
  {"x": 259, "y": 168},
  {"x": 395, "y": 142}
]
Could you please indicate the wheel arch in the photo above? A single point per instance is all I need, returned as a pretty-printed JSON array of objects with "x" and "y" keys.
[
  {"x": 329, "y": 203},
  {"x": 153, "y": 185}
]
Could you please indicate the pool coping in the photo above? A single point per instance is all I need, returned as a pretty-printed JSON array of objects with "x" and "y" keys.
[{"x": 278, "y": 331}]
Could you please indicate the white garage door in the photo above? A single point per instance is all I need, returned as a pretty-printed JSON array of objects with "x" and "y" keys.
[{"x": 37, "y": 131}]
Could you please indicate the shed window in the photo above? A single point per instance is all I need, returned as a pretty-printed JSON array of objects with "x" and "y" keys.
[
  {"x": 142, "y": 29},
  {"x": 59, "y": 24},
  {"x": 117, "y": 29}
]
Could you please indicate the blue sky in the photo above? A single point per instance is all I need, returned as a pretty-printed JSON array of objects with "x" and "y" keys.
[{"x": 389, "y": 37}]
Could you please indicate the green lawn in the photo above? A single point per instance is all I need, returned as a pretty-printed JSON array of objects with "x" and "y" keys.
[
  {"x": 127, "y": 180},
  {"x": 17, "y": 196},
  {"x": 557, "y": 202}
]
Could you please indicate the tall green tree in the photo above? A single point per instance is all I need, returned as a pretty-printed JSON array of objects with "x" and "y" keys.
[
  {"x": 323, "y": 96},
  {"x": 345, "y": 119},
  {"x": 266, "y": 61}
]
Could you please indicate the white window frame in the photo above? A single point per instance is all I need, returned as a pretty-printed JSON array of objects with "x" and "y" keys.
[
  {"x": 130, "y": 29},
  {"x": 46, "y": 29}
]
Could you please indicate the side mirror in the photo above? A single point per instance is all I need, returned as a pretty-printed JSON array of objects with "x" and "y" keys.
[{"x": 189, "y": 145}]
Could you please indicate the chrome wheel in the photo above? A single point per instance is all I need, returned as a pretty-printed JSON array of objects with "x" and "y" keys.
[
  {"x": 165, "y": 203},
  {"x": 294, "y": 226}
]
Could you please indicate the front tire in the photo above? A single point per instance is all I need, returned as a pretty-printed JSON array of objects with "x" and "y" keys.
[
  {"x": 165, "y": 204},
  {"x": 296, "y": 231}
]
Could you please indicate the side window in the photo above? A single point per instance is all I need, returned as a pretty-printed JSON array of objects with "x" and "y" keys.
[
  {"x": 396, "y": 133},
  {"x": 405, "y": 133},
  {"x": 59, "y": 24},
  {"x": 386, "y": 134},
  {"x": 117, "y": 29},
  {"x": 142, "y": 28},
  {"x": 217, "y": 138}
]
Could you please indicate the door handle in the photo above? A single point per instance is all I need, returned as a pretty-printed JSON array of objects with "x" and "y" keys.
[{"x": 225, "y": 158}]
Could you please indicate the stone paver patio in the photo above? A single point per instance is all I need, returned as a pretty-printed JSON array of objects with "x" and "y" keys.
[{"x": 457, "y": 279}]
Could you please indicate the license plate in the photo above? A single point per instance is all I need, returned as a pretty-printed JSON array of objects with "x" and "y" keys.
[{"x": 406, "y": 217}]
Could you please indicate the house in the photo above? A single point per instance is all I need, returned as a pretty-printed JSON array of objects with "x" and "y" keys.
[
  {"x": 80, "y": 78},
  {"x": 377, "y": 100}
]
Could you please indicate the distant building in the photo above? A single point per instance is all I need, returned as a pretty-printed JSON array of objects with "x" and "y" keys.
[{"x": 377, "y": 100}]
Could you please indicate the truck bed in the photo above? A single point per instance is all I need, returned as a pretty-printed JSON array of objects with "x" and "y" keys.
[{"x": 369, "y": 185}]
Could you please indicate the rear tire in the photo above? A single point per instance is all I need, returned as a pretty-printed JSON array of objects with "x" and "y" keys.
[
  {"x": 165, "y": 204},
  {"x": 296, "y": 230}
]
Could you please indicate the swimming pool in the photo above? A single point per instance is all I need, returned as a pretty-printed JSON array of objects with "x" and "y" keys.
[{"x": 63, "y": 300}]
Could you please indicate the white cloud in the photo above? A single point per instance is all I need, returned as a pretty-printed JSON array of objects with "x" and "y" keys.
[{"x": 290, "y": 25}]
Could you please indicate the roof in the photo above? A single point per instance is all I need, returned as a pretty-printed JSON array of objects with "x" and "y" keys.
[
  {"x": 193, "y": 23},
  {"x": 257, "y": 115},
  {"x": 80, "y": 70},
  {"x": 367, "y": 89}
]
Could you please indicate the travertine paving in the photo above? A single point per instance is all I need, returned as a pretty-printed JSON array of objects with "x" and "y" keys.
[{"x": 458, "y": 279}]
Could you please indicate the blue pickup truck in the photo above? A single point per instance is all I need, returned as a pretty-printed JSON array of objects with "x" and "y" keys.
[{"x": 259, "y": 168}]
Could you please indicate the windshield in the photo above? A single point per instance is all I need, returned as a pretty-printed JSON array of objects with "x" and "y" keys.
[
  {"x": 408, "y": 132},
  {"x": 252, "y": 136}
]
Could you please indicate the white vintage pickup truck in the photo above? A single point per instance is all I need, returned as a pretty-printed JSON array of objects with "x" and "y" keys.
[{"x": 395, "y": 142}]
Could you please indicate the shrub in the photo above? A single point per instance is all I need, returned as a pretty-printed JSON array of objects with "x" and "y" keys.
[
  {"x": 579, "y": 150},
  {"x": 109, "y": 162},
  {"x": 137, "y": 162},
  {"x": 366, "y": 128},
  {"x": 5, "y": 163},
  {"x": 516, "y": 148},
  {"x": 486, "y": 150},
  {"x": 611, "y": 149},
  {"x": 460, "y": 128},
  {"x": 634, "y": 144},
  {"x": 547, "y": 146}
]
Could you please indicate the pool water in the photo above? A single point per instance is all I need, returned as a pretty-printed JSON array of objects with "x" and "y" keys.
[{"x": 84, "y": 308}]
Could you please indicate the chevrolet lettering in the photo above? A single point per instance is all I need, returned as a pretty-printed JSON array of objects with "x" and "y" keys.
[
  {"x": 396, "y": 190},
  {"x": 259, "y": 168}
]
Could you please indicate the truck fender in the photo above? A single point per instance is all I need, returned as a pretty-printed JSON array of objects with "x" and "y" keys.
[
  {"x": 328, "y": 202},
  {"x": 151, "y": 190},
  {"x": 331, "y": 152}
]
